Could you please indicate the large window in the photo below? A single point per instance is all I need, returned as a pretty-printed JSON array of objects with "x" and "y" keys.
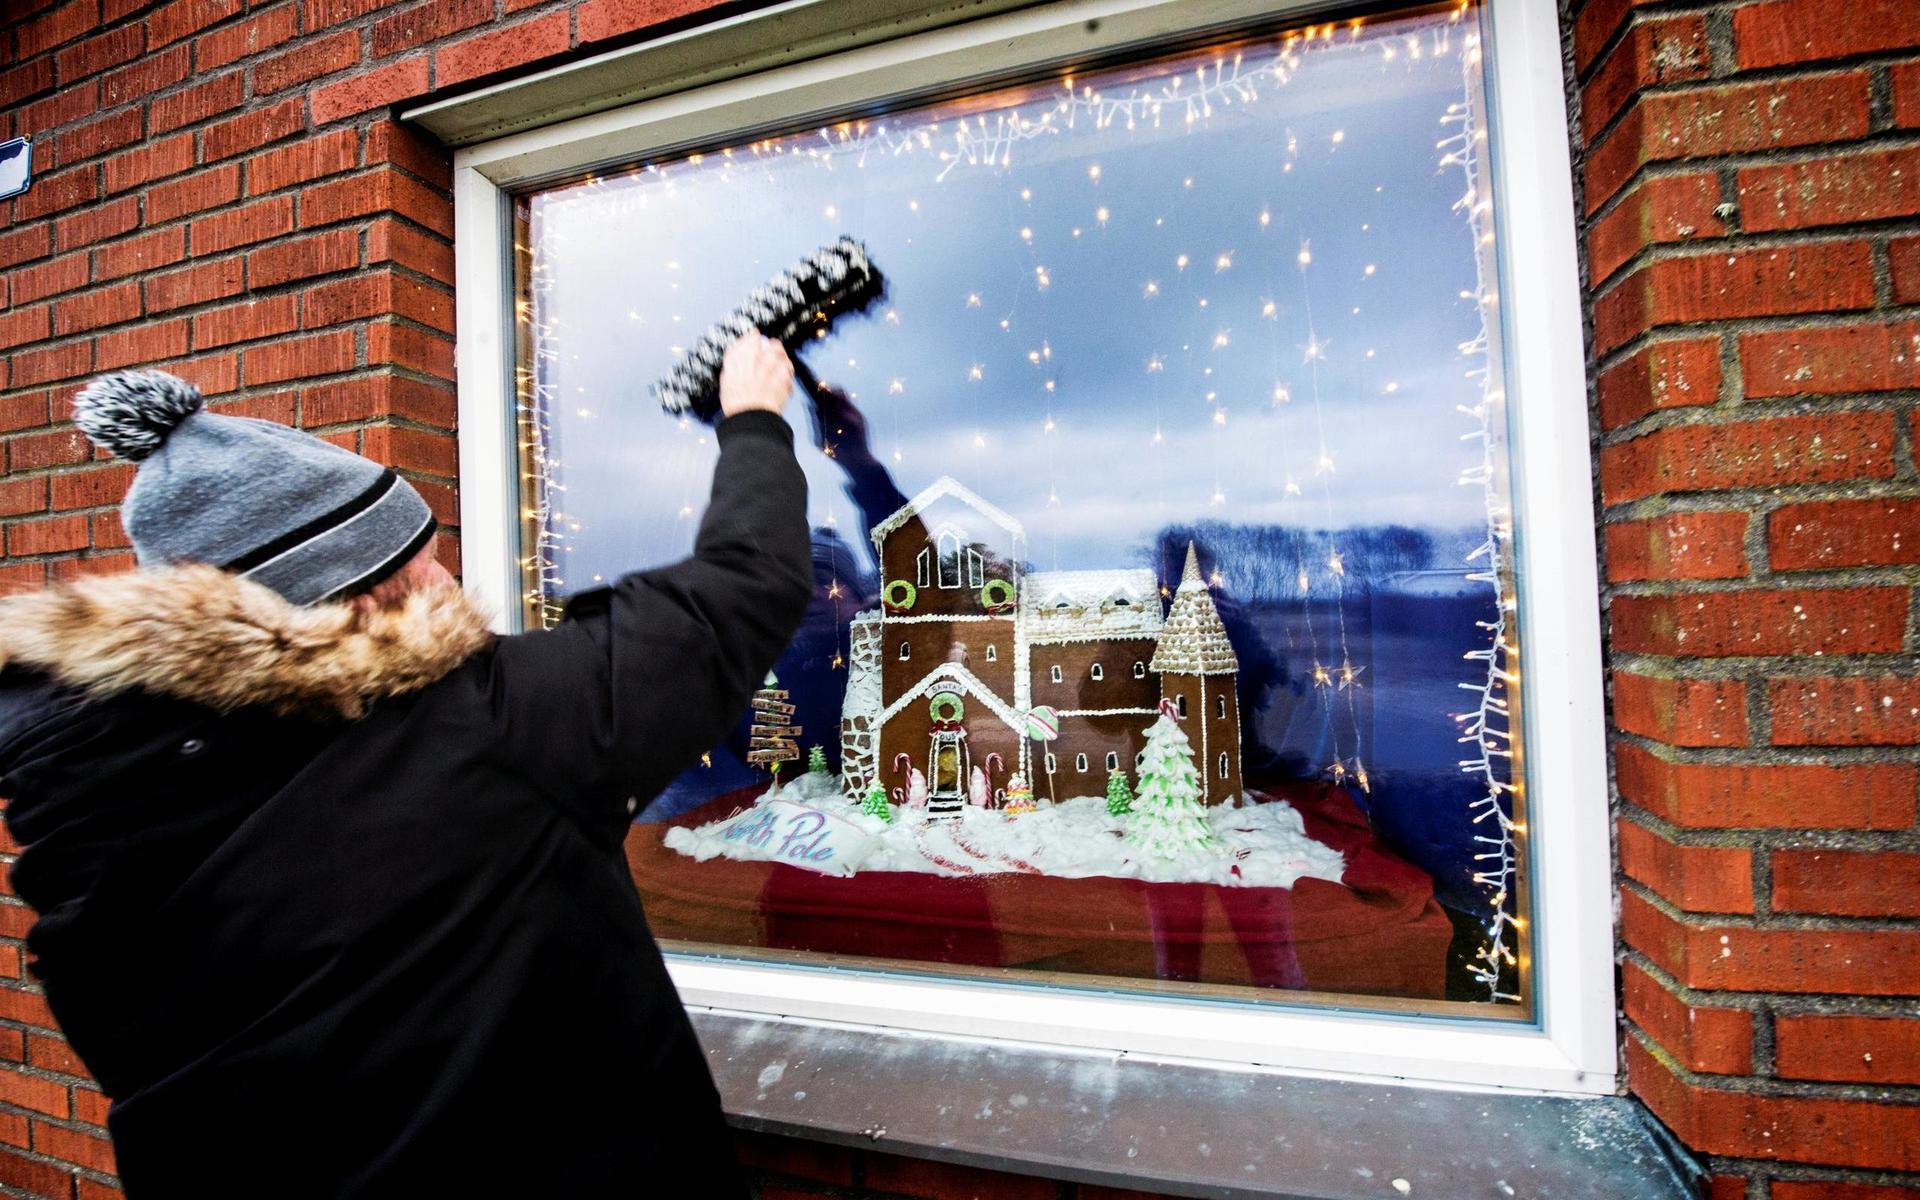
[
  {"x": 1189, "y": 360},
  {"x": 1194, "y": 361}
]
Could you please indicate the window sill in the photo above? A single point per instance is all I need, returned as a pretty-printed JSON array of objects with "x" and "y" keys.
[{"x": 1180, "y": 1128}]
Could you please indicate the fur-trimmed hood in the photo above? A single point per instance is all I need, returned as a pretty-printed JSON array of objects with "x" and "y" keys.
[{"x": 201, "y": 634}]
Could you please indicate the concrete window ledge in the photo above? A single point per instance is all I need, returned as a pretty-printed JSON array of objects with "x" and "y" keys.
[{"x": 1180, "y": 1128}]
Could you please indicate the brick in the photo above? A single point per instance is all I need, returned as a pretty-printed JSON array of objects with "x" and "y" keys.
[
  {"x": 46, "y": 366},
  {"x": 148, "y": 252},
  {"x": 249, "y": 130},
  {"x": 502, "y": 49},
  {"x": 1828, "y": 1189},
  {"x": 412, "y": 449},
  {"x": 23, "y": 410},
  {"x": 393, "y": 241},
  {"x": 1763, "y": 622},
  {"x": 284, "y": 261},
  {"x": 1772, "y": 796},
  {"x": 1801, "y": 31},
  {"x": 184, "y": 18},
  {"x": 101, "y": 306},
  {"x": 96, "y": 54},
  {"x": 1654, "y": 52},
  {"x": 1824, "y": 448},
  {"x": 307, "y": 60},
  {"x": 384, "y": 190},
  {"x": 107, "y": 532},
  {"x": 926, "y": 1180},
  {"x": 322, "y": 13},
  {"x": 1658, "y": 211},
  {"x": 197, "y": 284},
  {"x": 29, "y": 1091},
  {"x": 19, "y": 497},
  {"x": 143, "y": 78},
  {"x": 213, "y": 374},
  {"x": 415, "y": 349},
  {"x": 54, "y": 28},
  {"x": 21, "y": 326},
  {"x": 26, "y": 244},
  {"x": 98, "y": 223},
  {"x": 1806, "y": 961},
  {"x": 1695, "y": 878},
  {"x": 92, "y": 488},
  {"x": 29, "y": 79},
  {"x": 262, "y": 31},
  {"x": 193, "y": 193},
  {"x": 74, "y": 1146},
  {"x": 1691, "y": 545},
  {"x": 325, "y": 354},
  {"x": 87, "y": 1189},
  {"x": 244, "y": 322},
  {"x": 97, "y": 137},
  {"x": 50, "y": 1052},
  {"x": 381, "y": 395},
  {"x": 1903, "y": 264},
  {"x": 57, "y": 193},
  {"x": 422, "y": 23},
  {"x": 73, "y": 102},
  {"x": 1844, "y": 533},
  {"x": 1906, "y": 94},
  {"x": 1845, "y": 711},
  {"x": 189, "y": 106},
  {"x": 154, "y": 159},
  {"x": 1847, "y": 883},
  {"x": 1876, "y": 357},
  {"x": 377, "y": 293},
  {"x": 278, "y": 407},
  {"x": 1834, "y": 190},
  {"x": 33, "y": 1176},
  {"x": 1729, "y": 119},
  {"x": 89, "y": 1106},
  {"x": 50, "y": 535},
  {"x": 1809, "y": 1129},
  {"x": 49, "y": 278},
  {"x": 391, "y": 142},
  {"x": 309, "y": 158},
  {"x": 1847, "y": 1048},
  {"x": 399, "y": 80},
  {"x": 60, "y": 447},
  {"x": 244, "y": 226},
  {"x": 602, "y": 19},
  {"x": 1820, "y": 277},
  {"x": 141, "y": 346}
]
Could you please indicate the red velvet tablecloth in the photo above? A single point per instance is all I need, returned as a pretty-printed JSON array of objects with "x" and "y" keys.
[{"x": 1378, "y": 932}]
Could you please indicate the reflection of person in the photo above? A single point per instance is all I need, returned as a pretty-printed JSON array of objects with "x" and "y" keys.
[{"x": 322, "y": 864}]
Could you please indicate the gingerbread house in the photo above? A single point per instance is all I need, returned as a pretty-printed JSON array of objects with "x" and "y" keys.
[{"x": 967, "y": 645}]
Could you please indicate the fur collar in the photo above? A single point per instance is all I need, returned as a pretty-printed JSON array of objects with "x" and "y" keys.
[{"x": 201, "y": 634}]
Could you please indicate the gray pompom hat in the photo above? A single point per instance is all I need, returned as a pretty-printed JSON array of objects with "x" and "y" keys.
[{"x": 280, "y": 507}]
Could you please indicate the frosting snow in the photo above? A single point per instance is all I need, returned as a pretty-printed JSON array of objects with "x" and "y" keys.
[{"x": 1263, "y": 844}]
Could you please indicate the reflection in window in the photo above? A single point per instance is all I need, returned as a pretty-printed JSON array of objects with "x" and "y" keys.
[{"x": 1235, "y": 300}]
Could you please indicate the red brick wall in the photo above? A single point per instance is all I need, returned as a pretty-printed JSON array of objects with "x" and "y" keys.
[{"x": 1751, "y": 186}]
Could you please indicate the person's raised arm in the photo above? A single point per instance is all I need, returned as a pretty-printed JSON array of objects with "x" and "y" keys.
[{"x": 641, "y": 678}]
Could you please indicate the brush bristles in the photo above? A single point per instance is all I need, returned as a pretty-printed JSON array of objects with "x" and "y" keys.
[{"x": 835, "y": 279}]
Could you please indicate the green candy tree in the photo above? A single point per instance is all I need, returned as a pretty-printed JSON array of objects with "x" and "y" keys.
[{"x": 1119, "y": 795}]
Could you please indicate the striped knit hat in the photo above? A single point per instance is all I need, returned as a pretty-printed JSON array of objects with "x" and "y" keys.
[{"x": 280, "y": 507}]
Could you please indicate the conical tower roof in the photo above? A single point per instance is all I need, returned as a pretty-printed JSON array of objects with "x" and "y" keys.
[{"x": 1194, "y": 642}]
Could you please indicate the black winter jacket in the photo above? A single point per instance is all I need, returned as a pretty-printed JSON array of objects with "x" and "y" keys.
[{"x": 336, "y": 905}]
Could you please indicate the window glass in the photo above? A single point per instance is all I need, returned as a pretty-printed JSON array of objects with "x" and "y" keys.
[{"x": 1191, "y": 363}]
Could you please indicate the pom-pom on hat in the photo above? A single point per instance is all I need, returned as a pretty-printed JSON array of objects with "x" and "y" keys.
[{"x": 283, "y": 508}]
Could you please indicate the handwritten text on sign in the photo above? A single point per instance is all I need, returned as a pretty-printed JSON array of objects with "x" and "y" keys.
[{"x": 782, "y": 831}]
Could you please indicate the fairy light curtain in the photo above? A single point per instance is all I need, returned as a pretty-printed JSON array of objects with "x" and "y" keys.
[{"x": 1244, "y": 299}]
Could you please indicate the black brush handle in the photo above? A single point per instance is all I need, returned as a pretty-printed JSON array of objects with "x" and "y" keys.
[{"x": 793, "y": 308}]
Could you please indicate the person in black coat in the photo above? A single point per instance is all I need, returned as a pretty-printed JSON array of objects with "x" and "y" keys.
[{"x": 331, "y": 894}]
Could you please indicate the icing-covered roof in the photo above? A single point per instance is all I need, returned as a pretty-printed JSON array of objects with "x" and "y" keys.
[
  {"x": 1073, "y": 605},
  {"x": 946, "y": 485},
  {"x": 1194, "y": 642}
]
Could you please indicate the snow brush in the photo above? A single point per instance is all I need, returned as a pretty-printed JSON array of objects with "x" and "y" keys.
[{"x": 793, "y": 308}]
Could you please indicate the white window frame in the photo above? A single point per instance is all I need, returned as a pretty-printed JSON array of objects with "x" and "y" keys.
[{"x": 1571, "y": 1047}]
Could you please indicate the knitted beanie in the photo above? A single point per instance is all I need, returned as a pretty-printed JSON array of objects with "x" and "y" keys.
[{"x": 280, "y": 507}]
